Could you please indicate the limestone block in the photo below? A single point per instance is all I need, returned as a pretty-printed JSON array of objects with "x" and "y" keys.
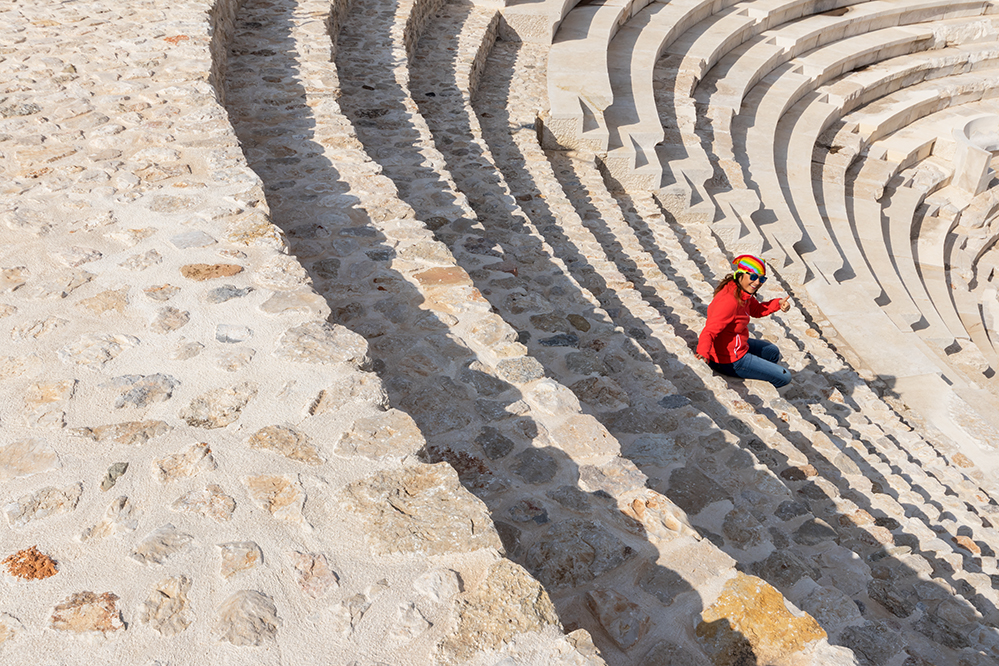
[
  {"x": 281, "y": 496},
  {"x": 391, "y": 434},
  {"x": 750, "y": 618},
  {"x": 94, "y": 350},
  {"x": 248, "y": 618},
  {"x": 574, "y": 551},
  {"x": 422, "y": 509},
  {"x": 26, "y": 457},
  {"x": 219, "y": 407},
  {"x": 623, "y": 620},
  {"x": 320, "y": 342},
  {"x": 86, "y": 611},
  {"x": 286, "y": 441},
  {"x": 165, "y": 610},
  {"x": 239, "y": 556},
  {"x": 161, "y": 544},
  {"x": 129, "y": 433},
  {"x": 48, "y": 501},
  {"x": 508, "y": 602},
  {"x": 143, "y": 390},
  {"x": 212, "y": 502},
  {"x": 314, "y": 575},
  {"x": 581, "y": 436},
  {"x": 438, "y": 585},
  {"x": 10, "y": 627},
  {"x": 120, "y": 516},
  {"x": 192, "y": 461}
]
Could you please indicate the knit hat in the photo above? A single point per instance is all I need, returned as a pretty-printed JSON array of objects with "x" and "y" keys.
[{"x": 747, "y": 263}]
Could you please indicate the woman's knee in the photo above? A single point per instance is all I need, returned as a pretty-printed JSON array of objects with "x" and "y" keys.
[{"x": 783, "y": 379}]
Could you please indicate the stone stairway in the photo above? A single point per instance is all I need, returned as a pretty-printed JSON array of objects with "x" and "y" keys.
[{"x": 612, "y": 237}]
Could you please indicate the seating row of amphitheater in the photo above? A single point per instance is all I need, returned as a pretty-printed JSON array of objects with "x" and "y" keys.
[{"x": 505, "y": 308}]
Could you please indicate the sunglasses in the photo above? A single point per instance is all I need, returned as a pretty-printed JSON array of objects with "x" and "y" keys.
[{"x": 753, "y": 277}]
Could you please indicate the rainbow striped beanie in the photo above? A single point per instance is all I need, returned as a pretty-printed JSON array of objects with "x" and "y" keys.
[{"x": 747, "y": 263}]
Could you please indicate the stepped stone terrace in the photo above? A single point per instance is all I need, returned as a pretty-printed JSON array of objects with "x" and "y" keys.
[{"x": 362, "y": 332}]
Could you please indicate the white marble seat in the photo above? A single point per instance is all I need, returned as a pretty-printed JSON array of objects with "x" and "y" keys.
[
  {"x": 535, "y": 21},
  {"x": 579, "y": 87}
]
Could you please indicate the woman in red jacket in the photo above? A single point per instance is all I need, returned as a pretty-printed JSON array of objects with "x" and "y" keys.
[{"x": 725, "y": 344}]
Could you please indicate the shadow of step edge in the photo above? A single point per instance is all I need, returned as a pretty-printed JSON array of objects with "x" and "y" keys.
[{"x": 533, "y": 22}]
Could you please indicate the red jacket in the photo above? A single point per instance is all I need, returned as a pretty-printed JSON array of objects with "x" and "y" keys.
[{"x": 725, "y": 338}]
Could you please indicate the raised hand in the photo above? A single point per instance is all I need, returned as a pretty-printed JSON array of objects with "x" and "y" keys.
[{"x": 784, "y": 305}]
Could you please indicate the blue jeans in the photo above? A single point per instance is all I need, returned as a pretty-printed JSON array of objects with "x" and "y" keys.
[{"x": 760, "y": 362}]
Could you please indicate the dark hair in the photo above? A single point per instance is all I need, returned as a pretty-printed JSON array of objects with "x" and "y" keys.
[{"x": 725, "y": 282}]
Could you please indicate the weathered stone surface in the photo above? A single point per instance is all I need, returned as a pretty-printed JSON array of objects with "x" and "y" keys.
[
  {"x": 38, "y": 329},
  {"x": 169, "y": 319},
  {"x": 784, "y": 568},
  {"x": 623, "y": 620},
  {"x": 226, "y": 293},
  {"x": 692, "y": 490},
  {"x": 160, "y": 292},
  {"x": 494, "y": 443},
  {"x": 48, "y": 501},
  {"x": 166, "y": 608},
  {"x": 86, "y": 611},
  {"x": 813, "y": 532},
  {"x": 437, "y": 406},
  {"x": 652, "y": 449},
  {"x": 661, "y": 582},
  {"x": 231, "y": 334},
  {"x": 874, "y": 644},
  {"x": 506, "y": 603},
  {"x": 192, "y": 461},
  {"x": 750, "y": 621},
  {"x": 281, "y": 496},
  {"x": 477, "y": 375},
  {"x": 355, "y": 388},
  {"x": 573, "y": 552},
  {"x": 129, "y": 433},
  {"x": 202, "y": 272},
  {"x": 94, "y": 350},
  {"x": 248, "y": 618},
  {"x": 314, "y": 575},
  {"x": 831, "y": 608},
  {"x": 212, "y": 502},
  {"x": 161, "y": 544},
  {"x": 665, "y": 653},
  {"x": 239, "y": 556},
  {"x": 615, "y": 477},
  {"x": 112, "y": 300},
  {"x": 571, "y": 498},
  {"x": 535, "y": 466},
  {"x": 144, "y": 390},
  {"x": 388, "y": 434},
  {"x": 408, "y": 623},
  {"x": 438, "y": 585},
  {"x": 519, "y": 370},
  {"x": 120, "y": 516},
  {"x": 603, "y": 393},
  {"x": 528, "y": 510},
  {"x": 235, "y": 360},
  {"x": 142, "y": 261},
  {"x": 287, "y": 442},
  {"x": 47, "y": 400},
  {"x": 581, "y": 436},
  {"x": 115, "y": 471},
  {"x": 422, "y": 509},
  {"x": 320, "y": 342},
  {"x": 26, "y": 457},
  {"x": 219, "y": 407}
]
